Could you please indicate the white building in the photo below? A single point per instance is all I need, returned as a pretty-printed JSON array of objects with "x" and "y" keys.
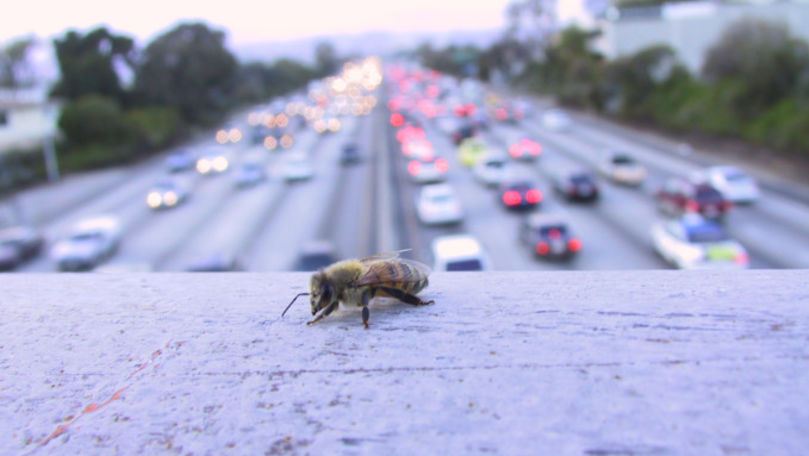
[
  {"x": 690, "y": 28},
  {"x": 26, "y": 119}
]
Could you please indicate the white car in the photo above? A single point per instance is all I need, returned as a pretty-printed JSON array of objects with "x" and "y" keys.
[
  {"x": 427, "y": 171},
  {"x": 437, "y": 204},
  {"x": 250, "y": 173},
  {"x": 734, "y": 184},
  {"x": 623, "y": 169},
  {"x": 460, "y": 252},
  {"x": 555, "y": 120},
  {"x": 212, "y": 164},
  {"x": 90, "y": 242},
  {"x": 693, "y": 242},
  {"x": 166, "y": 194},
  {"x": 492, "y": 171},
  {"x": 296, "y": 167}
]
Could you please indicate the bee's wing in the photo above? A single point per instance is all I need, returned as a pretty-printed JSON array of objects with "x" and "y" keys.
[
  {"x": 383, "y": 256},
  {"x": 396, "y": 273}
]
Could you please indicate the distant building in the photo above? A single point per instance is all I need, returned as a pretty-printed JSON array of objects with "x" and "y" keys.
[
  {"x": 26, "y": 118},
  {"x": 690, "y": 28}
]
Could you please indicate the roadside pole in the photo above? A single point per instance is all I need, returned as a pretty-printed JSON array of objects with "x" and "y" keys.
[{"x": 51, "y": 163}]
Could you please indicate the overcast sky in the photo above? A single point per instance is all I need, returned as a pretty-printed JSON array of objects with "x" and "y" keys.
[{"x": 250, "y": 21}]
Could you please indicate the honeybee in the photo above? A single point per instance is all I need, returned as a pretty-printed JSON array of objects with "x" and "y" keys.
[{"x": 354, "y": 282}]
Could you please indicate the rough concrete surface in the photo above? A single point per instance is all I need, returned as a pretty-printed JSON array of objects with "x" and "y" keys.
[{"x": 593, "y": 363}]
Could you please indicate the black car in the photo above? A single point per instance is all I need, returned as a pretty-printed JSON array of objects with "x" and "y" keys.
[
  {"x": 466, "y": 130},
  {"x": 549, "y": 236},
  {"x": 679, "y": 196},
  {"x": 576, "y": 185},
  {"x": 520, "y": 195},
  {"x": 17, "y": 245},
  {"x": 350, "y": 154}
]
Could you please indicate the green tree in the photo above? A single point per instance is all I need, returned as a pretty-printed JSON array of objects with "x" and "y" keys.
[
  {"x": 190, "y": 69},
  {"x": 326, "y": 60},
  {"x": 15, "y": 68},
  {"x": 88, "y": 64},
  {"x": 770, "y": 62}
]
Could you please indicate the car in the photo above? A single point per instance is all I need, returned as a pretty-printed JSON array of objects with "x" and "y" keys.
[
  {"x": 179, "y": 161},
  {"x": 427, "y": 170},
  {"x": 623, "y": 169},
  {"x": 549, "y": 236},
  {"x": 212, "y": 164},
  {"x": 471, "y": 151},
  {"x": 555, "y": 120},
  {"x": 520, "y": 194},
  {"x": 216, "y": 262},
  {"x": 89, "y": 243},
  {"x": 678, "y": 196},
  {"x": 350, "y": 154},
  {"x": 463, "y": 132},
  {"x": 576, "y": 184},
  {"x": 694, "y": 242},
  {"x": 296, "y": 167},
  {"x": 525, "y": 149},
  {"x": 734, "y": 184},
  {"x": 418, "y": 148},
  {"x": 459, "y": 252},
  {"x": 492, "y": 171},
  {"x": 18, "y": 244},
  {"x": 315, "y": 255},
  {"x": 166, "y": 194},
  {"x": 250, "y": 173},
  {"x": 437, "y": 204}
]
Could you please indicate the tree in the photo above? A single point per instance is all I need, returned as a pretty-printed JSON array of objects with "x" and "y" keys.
[
  {"x": 326, "y": 60},
  {"x": 190, "y": 69},
  {"x": 15, "y": 69},
  {"x": 765, "y": 56},
  {"x": 88, "y": 64}
]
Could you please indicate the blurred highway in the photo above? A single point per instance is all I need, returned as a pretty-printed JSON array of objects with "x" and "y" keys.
[{"x": 370, "y": 206}]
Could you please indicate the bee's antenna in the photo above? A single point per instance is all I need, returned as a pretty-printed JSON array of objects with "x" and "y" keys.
[{"x": 293, "y": 301}]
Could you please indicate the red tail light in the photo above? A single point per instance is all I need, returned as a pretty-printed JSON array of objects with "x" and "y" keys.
[
  {"x": 441, "y": 165},
  {"x": 727, "y": 205},
  {"x": 512, "y": 198},
  {"x": 692, "y": 206},
  {"x": 574, "y": 245},
  {"x": 396, "y": 119},
  {"x": 543, "y": 248},
  {"x": 533, "y": 196},
  {"x": 514, "y": 150},
  {"x": 414, "y": 167},
  {"x": 741, "y": 258},
  {"x": 501, "y": 114}
]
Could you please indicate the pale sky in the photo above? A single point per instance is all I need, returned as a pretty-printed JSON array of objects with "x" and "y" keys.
[{"x": 249, "y": 21}]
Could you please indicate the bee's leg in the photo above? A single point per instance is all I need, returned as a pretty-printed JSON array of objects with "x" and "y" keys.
[
  {"x": 325, "y": 312},
  {"x": 366, "y": 298},
  {"x": 406, "y": 297}
]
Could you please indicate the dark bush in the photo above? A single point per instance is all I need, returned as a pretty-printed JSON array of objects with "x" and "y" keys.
[
  {"x": 785, "y": 126},
  {"x": 94, "y": 119},
  {"x": 154, "y": 126}
]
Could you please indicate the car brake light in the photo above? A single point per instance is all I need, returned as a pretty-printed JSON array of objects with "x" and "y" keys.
[
  {"x": 512, "y": 198},
  {"x": 741, "y": 258},
  {"x": 396, "y": 119},
  {"x": 533, "y": 196},
  {"x": 574, "y": 245},
  {"x": 414, "y": 167},
  {"x": 692, "y": 206},
  {"x": 441, "y": 165},
  {"x": 501, "y": 114},
  {"x": 514, "y": 150},
  {"x": 543, "y": 248},
  {"x": 727, "y": 205}
]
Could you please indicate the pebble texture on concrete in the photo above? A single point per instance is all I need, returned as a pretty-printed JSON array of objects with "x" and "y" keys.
[{"x": 593, "y": 363}]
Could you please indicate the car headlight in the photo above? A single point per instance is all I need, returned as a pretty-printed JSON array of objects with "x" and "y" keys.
[
  {"x": 204, "y": 166},
  {"x": 170, "y": 198},
  {"x": 154, "y": 200},
  {"x": 220, "y": 164}
]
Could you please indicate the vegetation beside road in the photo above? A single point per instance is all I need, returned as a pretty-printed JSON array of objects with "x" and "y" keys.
[
  {"x": 122, "y": 103},
  {"x": 754, "y": 83}
]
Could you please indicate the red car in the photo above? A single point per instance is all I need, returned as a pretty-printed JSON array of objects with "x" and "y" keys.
[{"x": 679, "y": 196}]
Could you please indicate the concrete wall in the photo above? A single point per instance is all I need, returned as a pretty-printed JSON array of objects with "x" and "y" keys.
[
  {"x": 513, "y": 363},
  {"x": 691, "y": 32}
]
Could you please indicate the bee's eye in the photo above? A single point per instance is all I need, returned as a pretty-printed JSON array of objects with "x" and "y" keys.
[{"x": 327, "y": 293}]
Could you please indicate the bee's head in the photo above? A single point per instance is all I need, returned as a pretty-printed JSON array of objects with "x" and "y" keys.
[{"x": 321, "y": 292}]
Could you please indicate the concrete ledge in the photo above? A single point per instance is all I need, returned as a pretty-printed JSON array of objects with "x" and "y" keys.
[{"x": 595, "y": 363}]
